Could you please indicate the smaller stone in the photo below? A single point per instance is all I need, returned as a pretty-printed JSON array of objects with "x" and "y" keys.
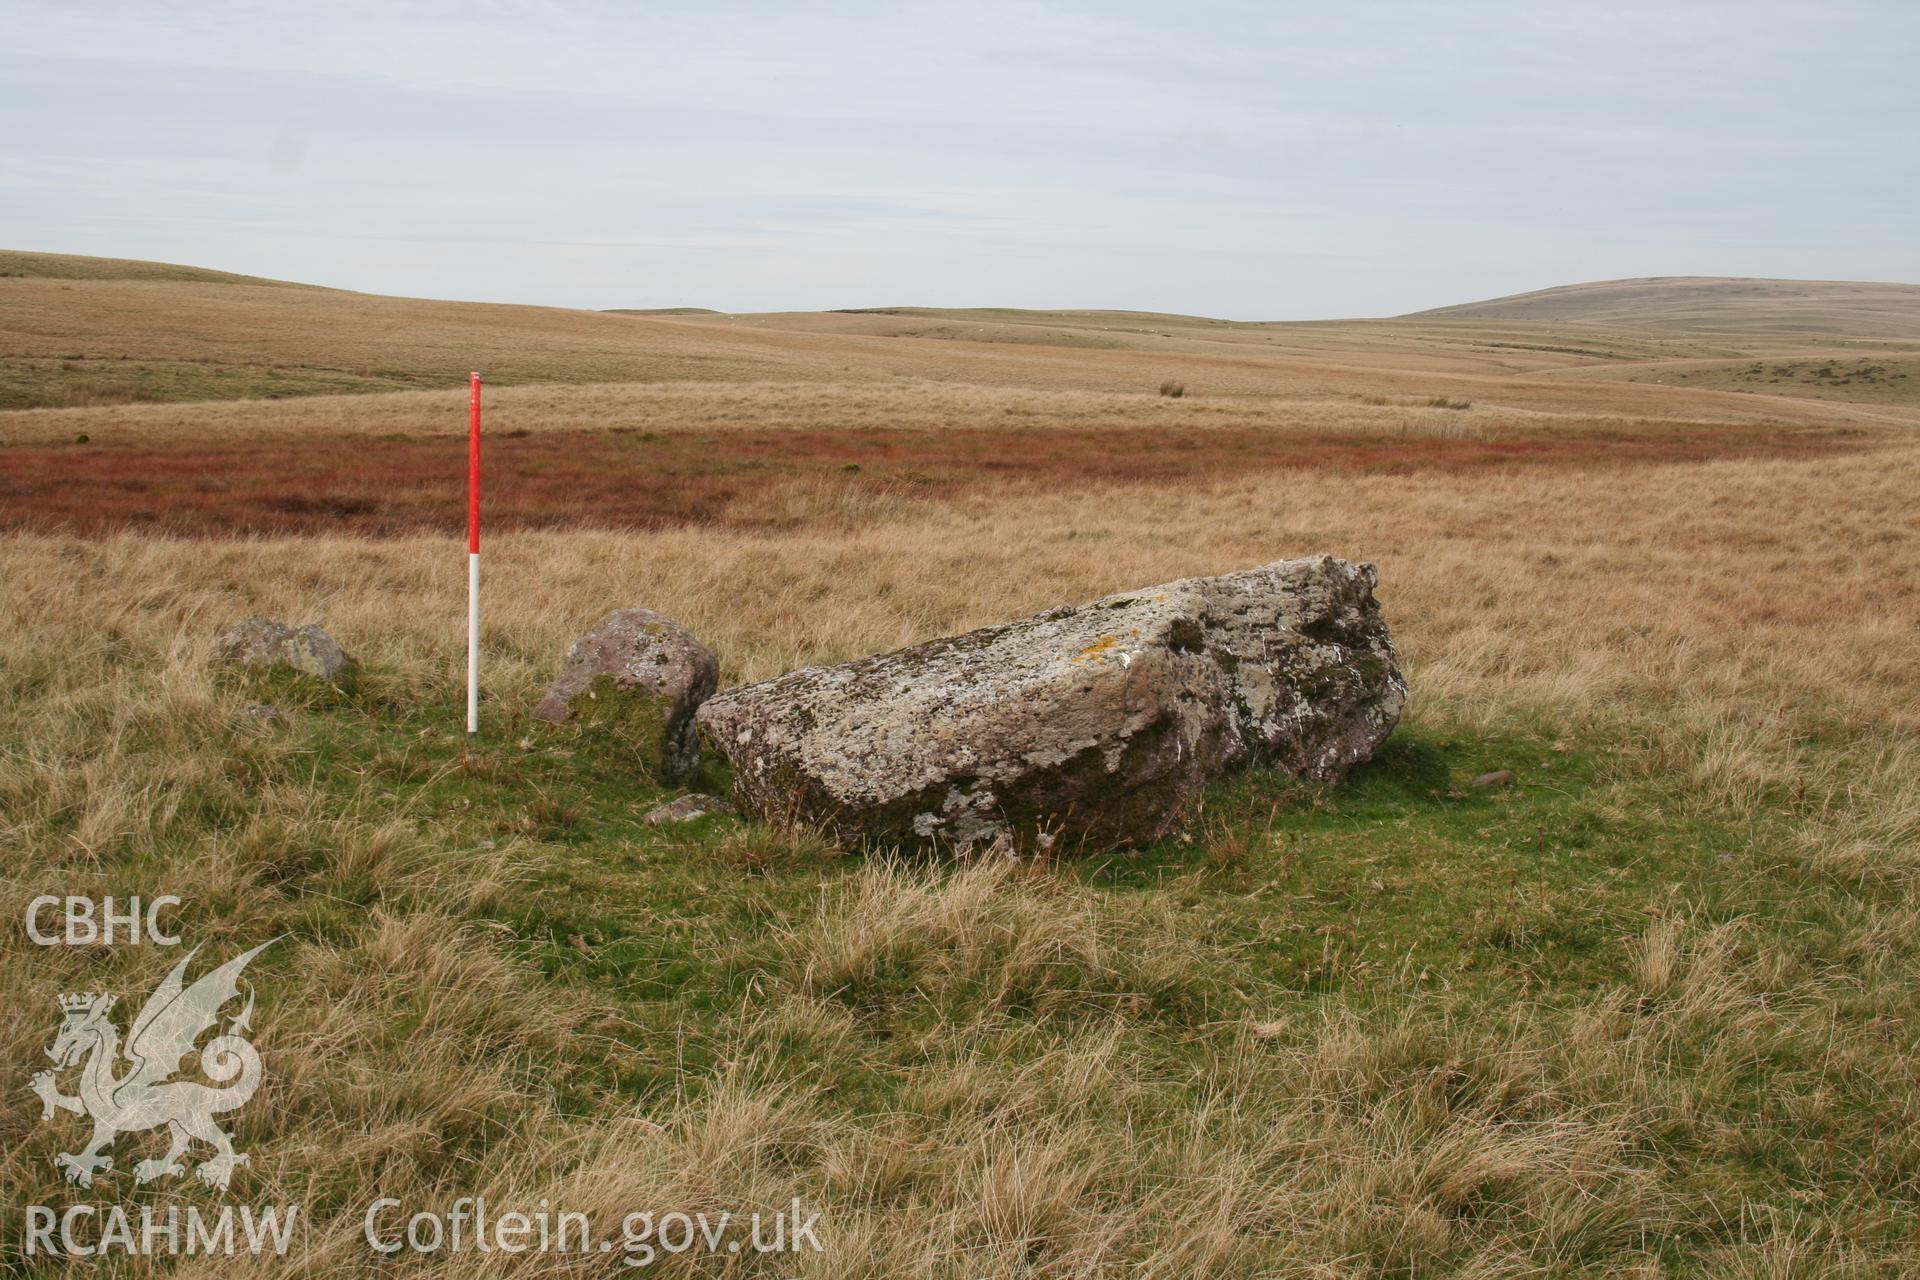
[
  {"x": 645, "y": 674},
  {"x": 686, "y": 809},
  {"x": 1498, "y": 778},
  {"x": 264, "y": 713},
  {"x": 264, "y": 643}
]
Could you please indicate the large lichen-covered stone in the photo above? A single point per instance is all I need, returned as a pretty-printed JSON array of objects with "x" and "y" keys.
[
  {"x": 265, "y": 643},
  {"x": 643, "y": 675},
  {"x": 1097, "y": 724}
]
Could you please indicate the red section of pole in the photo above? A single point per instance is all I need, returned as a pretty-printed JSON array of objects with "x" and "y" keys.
[{"x": 473, "y": 466}]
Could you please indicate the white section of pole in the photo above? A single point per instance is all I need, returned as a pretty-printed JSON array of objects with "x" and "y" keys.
[{"x": 473, "y": 642}]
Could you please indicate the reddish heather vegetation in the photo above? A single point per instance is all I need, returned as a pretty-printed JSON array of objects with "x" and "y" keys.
[{"x": 645, "y": 479}]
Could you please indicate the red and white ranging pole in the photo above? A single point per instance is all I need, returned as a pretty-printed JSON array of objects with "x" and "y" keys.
[{"x": 473, "y": 556}]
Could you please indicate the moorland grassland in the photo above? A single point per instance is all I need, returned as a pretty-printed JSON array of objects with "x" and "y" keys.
[{"x": 1652, "y": 1011}]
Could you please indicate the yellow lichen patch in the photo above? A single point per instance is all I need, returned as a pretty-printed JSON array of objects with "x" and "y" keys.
[{"x": 1096, "y": 649}]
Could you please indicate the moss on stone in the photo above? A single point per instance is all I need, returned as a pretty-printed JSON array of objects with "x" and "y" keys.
[{"x": 636, "y": 717}]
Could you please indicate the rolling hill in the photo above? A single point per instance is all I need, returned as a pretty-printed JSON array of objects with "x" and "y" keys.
[
  {"x": 20, "y": 265},
  {"x": 78, "y": 332},
  {"x": 1722, "y": 304}
]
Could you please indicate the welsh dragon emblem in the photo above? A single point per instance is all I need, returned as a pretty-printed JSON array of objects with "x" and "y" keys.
[{"x": 145, "y": 1095}]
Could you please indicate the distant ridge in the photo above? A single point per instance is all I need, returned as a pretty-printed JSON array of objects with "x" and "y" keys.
[
  {"x": 86, "y": 332},
  {"x": 1736, "y": 304},
  {"x": 20, "y": 264}
]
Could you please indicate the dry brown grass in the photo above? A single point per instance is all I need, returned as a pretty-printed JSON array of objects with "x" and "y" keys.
[
  {"x": 1531, "y": 583},
  {"x": 770, "y": 406},
  {"x": 1714, "y": 621}
]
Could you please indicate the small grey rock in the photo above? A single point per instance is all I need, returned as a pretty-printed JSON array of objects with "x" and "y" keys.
[
  {"x": 1497, "y": 778},
  {"x": 644, "y": 673},
  {"x": 264, "y": 642},
  {"x": 686, "y": 809},
  {"x": 264, "y": 713}
]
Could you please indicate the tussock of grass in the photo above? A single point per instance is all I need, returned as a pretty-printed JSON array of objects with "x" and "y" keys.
[{"x": 996, "y": 936}]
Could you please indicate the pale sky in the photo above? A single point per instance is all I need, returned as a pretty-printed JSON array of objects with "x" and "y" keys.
[{"x": 1251, "y": 160}]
